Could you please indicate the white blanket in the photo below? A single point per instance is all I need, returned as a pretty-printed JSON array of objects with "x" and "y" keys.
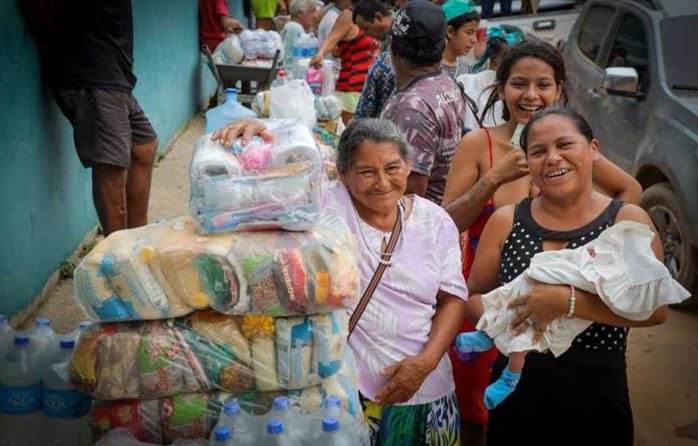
[{"x": 619, "y": 266}]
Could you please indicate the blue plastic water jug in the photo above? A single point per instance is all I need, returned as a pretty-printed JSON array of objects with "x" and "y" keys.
[{"x": 227, "y": 112}]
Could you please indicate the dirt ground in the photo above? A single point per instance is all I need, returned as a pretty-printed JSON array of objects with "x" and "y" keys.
[{"x": 663, "y": 380}]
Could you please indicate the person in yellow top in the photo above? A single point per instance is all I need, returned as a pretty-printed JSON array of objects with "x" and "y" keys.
[{"x": 265, "y": 10}]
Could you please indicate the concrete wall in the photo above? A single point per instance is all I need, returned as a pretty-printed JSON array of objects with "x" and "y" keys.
[{"x": 45, "y": 193}]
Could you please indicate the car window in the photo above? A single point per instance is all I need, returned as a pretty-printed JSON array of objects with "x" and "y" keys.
[
  {"x": 677, "y": 34},
  {"x": 629, "y": 48},
  {"x": 597, "y": 21}
]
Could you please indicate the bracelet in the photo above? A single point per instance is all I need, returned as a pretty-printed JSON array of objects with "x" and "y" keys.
[{"x": 573, "y": 302}]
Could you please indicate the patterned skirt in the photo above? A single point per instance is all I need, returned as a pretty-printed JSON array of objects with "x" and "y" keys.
[{"x": 434, "y": 424}]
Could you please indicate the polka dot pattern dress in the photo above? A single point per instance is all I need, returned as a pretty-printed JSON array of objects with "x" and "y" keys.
[
  {"x": 587, "y": 383},
  {"x": 526, "y": 240}
]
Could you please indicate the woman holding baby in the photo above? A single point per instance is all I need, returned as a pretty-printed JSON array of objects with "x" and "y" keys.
[{"x": 570, "y": 399}]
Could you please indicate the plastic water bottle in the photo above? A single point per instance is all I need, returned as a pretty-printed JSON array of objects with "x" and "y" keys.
[
  {"x": 332, "y": 434},
  {"x": 280, "y": 409},
  {"x": 221, "y": 436},
  {"x": 276, "y": 435},
  {"x": 7, "y": 336},
  {"x": 332, "y": 406},
  {"x": 281, "y": 79},
  {"x": 233, "y": 417},
  {"x": 78, "y": 331},
  {"x": 229, "y": 111},
  {"x": 20, "y": 396},
  {"x": 43, "y": 341},
  {"x": 308, "y": 45},
  {"x": 65, "y": 409}
]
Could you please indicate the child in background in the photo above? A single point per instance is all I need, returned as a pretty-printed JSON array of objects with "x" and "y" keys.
[{"x": 461, "y": 35}]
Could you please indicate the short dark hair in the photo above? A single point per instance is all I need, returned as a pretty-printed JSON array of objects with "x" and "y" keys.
[
  {"x": 577, "y": 119},
  {"x": 461, "y": 20},
  {"x": 368, "y": 9},
  {"x": 416, "y": 54}
]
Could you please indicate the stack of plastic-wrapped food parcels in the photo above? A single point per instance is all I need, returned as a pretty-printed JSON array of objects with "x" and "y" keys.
[{"x": 231, "y": 323}]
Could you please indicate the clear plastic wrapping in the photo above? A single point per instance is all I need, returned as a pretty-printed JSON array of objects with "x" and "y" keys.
[
  {"x": 168, "y": 270},
  {"x": 328, "y": 108},
  {"x": 293, "y": 101},
  {"x": 208, "y": 351},
  {"x": 263, "y": 185},
  {"x": 194, "y": 415},
  {"x": 261, "y": 44},
  {"x": 229, "y": 51}
]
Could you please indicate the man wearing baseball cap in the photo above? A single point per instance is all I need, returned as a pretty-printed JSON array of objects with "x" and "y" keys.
[{"x": 427, "y": 106}]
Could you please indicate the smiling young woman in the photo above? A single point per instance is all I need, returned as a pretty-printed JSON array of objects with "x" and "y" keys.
[{"x": 488, "y": 172}]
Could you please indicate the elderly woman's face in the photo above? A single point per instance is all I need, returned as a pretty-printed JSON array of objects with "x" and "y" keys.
[
  {"x": 377, "y": 178},
  {"x": 308, "y": 18},
  {"x": 560, "y": 159}
]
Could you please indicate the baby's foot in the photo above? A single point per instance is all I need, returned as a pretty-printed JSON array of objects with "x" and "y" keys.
[
  {"x": 473, "y": 341},
  {"x": 500, "y": 389}
]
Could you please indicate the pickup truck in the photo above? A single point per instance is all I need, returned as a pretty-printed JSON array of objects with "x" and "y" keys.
[
  {"x": 632, "y": 72},
  {"x": 552, "y": 23}
]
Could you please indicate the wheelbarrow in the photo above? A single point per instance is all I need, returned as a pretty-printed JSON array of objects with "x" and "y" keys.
[{"x": 252, "y": 79}]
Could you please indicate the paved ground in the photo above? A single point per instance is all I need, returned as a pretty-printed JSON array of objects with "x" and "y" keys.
[{"x": 662, "y": 361}]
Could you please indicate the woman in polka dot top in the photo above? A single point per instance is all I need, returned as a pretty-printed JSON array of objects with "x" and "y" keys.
[{"x": 586, "y": 385}]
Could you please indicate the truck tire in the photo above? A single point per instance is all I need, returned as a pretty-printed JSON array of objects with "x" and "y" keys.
[{"x": 661, "y": 203}]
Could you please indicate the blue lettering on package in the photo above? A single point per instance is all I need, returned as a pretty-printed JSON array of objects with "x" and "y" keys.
[
  {"x": 20, "y": 399},
  {"x": 66, "y": 403}
]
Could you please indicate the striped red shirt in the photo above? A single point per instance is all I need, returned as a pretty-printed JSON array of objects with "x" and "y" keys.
[{"x": 356, "y": 55}]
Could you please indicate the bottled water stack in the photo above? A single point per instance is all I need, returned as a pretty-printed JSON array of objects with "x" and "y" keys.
[
  {"x": 20, "y": 396},
  {"x": 65, "y": 409}
]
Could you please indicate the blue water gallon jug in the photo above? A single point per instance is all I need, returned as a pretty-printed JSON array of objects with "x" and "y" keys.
[{"x": 227, "y": 112}]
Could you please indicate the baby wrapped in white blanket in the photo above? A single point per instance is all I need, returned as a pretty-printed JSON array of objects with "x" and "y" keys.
[{"x": 619, "y": 266}]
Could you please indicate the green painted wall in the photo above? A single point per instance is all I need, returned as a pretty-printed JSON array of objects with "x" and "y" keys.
[{"x": 45, "y": 193}]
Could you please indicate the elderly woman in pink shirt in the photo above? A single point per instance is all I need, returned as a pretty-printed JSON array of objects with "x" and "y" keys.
[{"x": 402, "y": 337}]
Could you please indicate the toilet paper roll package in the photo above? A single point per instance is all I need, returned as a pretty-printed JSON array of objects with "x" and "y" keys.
[{"x": 262, "y": 185}]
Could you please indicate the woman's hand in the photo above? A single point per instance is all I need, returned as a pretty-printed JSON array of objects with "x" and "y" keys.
[
  {"x": 512, "y": 167},
  {"x": 247, "y": 128},
  {"x": 407, "y": 377},
  {"x": 316, "y": 61},
  {"x": 540, "y": 306}
]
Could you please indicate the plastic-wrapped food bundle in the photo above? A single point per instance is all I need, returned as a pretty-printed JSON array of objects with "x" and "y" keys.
[
  {"x": 208, "y": 351},
  {"x": 193, "y": 415},
  {"x": 263, "y": 185},
  {"x": 261, "y": 44},
  {"x": 328, "y": 108},
  {"x": 123, "y": 437},
  {"x": 168, "y": 270},
  {"x": 229, "y": 51}
]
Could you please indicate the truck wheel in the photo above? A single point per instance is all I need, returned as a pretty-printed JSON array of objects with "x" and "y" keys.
[{"x": 660, "y": 202}]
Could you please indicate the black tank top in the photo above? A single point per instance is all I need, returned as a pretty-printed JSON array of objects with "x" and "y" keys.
[
  {"x": 526, "y": 239},
  {"x": 587, "y": 383}
]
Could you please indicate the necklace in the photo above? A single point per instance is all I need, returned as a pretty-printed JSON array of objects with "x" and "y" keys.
[{"x": 381, "y": 255}]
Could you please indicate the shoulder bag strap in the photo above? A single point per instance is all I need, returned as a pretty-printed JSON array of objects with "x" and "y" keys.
[{"x": 373, "y": 284}]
